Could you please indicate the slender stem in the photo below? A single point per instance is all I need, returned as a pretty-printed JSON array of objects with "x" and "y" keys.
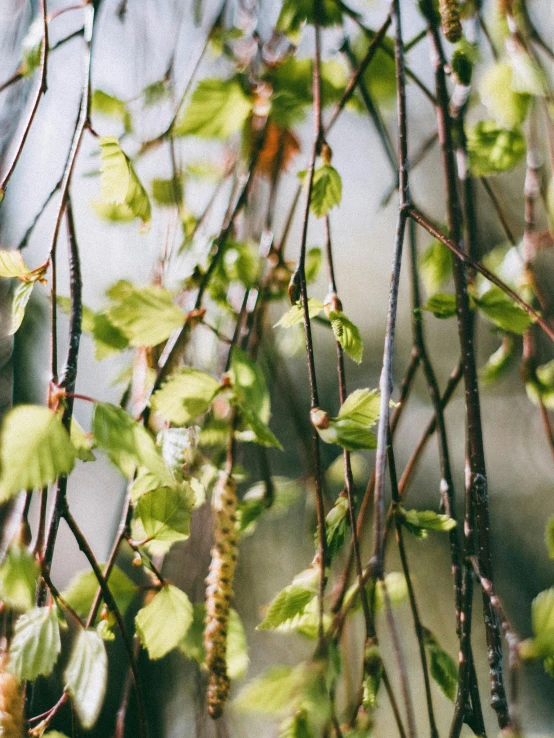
[
  {"x": 385, "y": 383},
  {"x": 41, "y": 90},
  {"x": 476, "y": 475}
]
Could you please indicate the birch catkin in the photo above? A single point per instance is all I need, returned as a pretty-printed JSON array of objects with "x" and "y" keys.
[
  {"x": 450, "y": 20},
  {"x": 11, "y": 706},
  {"x": 219, "y": 591}
]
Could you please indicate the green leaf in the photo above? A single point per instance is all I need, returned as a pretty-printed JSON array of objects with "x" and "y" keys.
[
  {"x": 258, "y": 431},
  {"x": 294, "y": 13},
  {"x": 218, "y": 108},
  {"x": 443, "y": 668},
  {"x": 237, "y": 659},
  {"x": 442, "y": 305},
  {"x": 167, "y": 191},
  {"x": 146, "y": 316},
  {"x": 291, "y": 601},
  {"x": 112, "y": 107},
  {"x": 18, "y": 578},
  {"x": 36, "y": 644},
  {"x": 542, "y": 618},
  {"x": 548, "y": 537},
  {"x": 296, "y": 314},
  {"x": 326, "y": 190},
  {"x": 503, "y": 311},
  {"x": 249, "y": 384},
  {"x": 351, "y": 428},
  {"x": 285, "y": 493},
  {"x": 314, "y": 260},
  {"x": 336, "y": 524},
  {"x": 21, "y": 297},
  {"x": 499, "y": 362},
  {"x": 119, "y": 182},
  {"x": 420, "y": 521},
  {"x": 12, "y": 266},
  {"x": 187, "y": 394},
  {"x": 108, "y": 339},
  {"x": 155, "y": 92},
  {"x": 127, "y": 443},
  {"x": 35, "y": 449},
  {"x": 296, "y": 726},
  {"x": 86, "y": 676},
  {"x": 348, "y": 335},
  {"x": 435, "y": 266},
  {"x": 373, "y": 672},
  {"x": 82, "y": 441},
  {"x": 81, "y": 590},
  {"x": 493, "y": 149},
  {"x": 509, "y": 108},
  {"x": 271, "y": 693},
  {"x": 32, "y": 47},
  {"x": 397, "y": 590},
  {"x": 164, "y": 622},
  {"x": 165, "y": 513}
]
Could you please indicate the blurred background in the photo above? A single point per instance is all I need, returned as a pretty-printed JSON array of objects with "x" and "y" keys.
[{"x": 135, "y": 43}]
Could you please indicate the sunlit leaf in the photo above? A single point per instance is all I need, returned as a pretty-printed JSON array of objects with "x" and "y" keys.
[
  {"x": 493, "y": 149},
  {"x": 21, "y": 297},
  {"x": 443, "y": 668},
  {"x": 82, "y": 589},
  {"x": 218, "y": 108},
  {"x": 164, "y": 621},
  {"x": 499, "y": 362},
  {"x": 112, "y": 107},
  {"x": 19, "y": 573},
  {"x": 35, "y": 449},
  {"x": 187, "y": 394},
  {"x": 420, "y": 521},
  {"x": 86, "y": 676},
  {"x": 147, "y": 315},
  {"x": 165, "y": 513},
  {"x": 291, "y": 601},
  {"x": 435, "y": 266},
  {"x": 348, "y": 335},
  {"x": 503, "y": 311},
  {"x": 35, "y": 644},
  {"x": 119, "y": 183},
  {"x": 296, "y": 314},
  {"x": 442, "y": 305},
  {"x": 326, "y": 190},
  {"x": 508, "y": 107}
]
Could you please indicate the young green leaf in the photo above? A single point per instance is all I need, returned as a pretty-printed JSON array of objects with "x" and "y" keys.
[
  {"x": 163, "y": 623},
  {"x": 314, "y": 260},
  {"x": 127, "y": 443},
  {"x": 86, "y": 676},
  {"x": 373, "y": 672},
  {"x": 348, "y": 335},
  {"x": 419, "y": 522},
  {"x": 257, "y": 431},
  {"x": 218, "y": 108},
  {"x": 249, "y": 384},
  {"x": 542, "y": 618},
  {"x": 271, "y": 693},
  {"x": 165, "y": 513},
  {"x": 351, "y": 428},
  {"x": 146, "y": 316},
  {"x": 336, "y": 524},
  {"x": 35, "y": 644},
  {"x": 18, "y": 578},
  {"x": 119, "y": 183},
  {"x": 167, "y": 191},
  {"x": 442, "y": 666},
  {"x": 296, "y": 314},
  {"x": 12, "y": 266},
  {"x": 499, "y": 362},
  {"x": 82, "y": 441},
  {"x": 82, "y": 589},
  {"x": 435, "y": 266},
  {"x": 294, "y": 13},
  {"x": 508, "y": 107},
  {"x": 442, "y": 305},
  {"x": 326, "y": 190},
  {"x": 112, "y": 107},
  {"x": 291, "y": 601},
  {"x": 35, "y": 449},
  {"x": 192, "y": 646},
  {"x": 186, "y": 395},
  {"x": 21, "y": 297},
  {"x": 493, "y": 149},
  {"x": 503, "y": 311},
  {"x": 296, "y": 726},
  {"x": 32, "y": 47}
]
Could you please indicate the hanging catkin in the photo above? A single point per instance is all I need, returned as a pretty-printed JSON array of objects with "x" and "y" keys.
[
  {"x": 450, "y": 19},
  {"x": 11, "y": 706},
  {"x": 219, "y": 591}
]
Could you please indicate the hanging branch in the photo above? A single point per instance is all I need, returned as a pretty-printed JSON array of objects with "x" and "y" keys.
[{"x": 476, "y": 476}]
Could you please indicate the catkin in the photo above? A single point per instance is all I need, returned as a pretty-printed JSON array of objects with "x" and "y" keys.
[
  {"x": 11, "y": 706},
  {"x": 219, "y": 591},
  {"x": 450, "y": 19}
]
